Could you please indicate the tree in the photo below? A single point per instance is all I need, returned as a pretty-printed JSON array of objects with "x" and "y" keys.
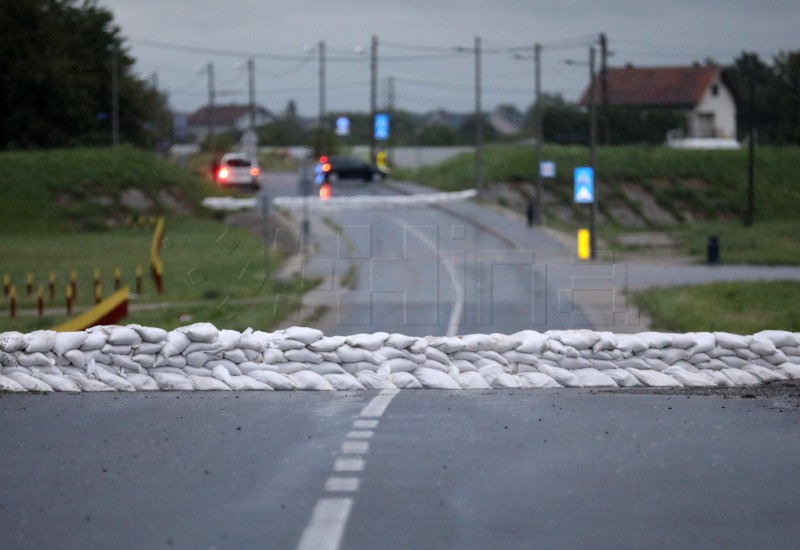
[{"x": 55, "y": 77}]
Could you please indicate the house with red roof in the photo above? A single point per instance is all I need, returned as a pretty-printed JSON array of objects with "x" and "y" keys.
[
  {"x": 698, "y": 91},
  {"x": 231, "y": 118}
]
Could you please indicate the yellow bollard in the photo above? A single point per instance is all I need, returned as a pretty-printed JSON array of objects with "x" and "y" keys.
[
  {"x": 584, "y": 246},
  {"x": 6, "y": 284}
]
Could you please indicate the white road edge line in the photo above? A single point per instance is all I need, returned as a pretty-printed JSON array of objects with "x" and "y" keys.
[
  {"x": 365, "y": 424},
  {"x": 348, "y": 465},
  {"x": 378, "y": 405},
  {"x": 360, "y": 434},
  {"x": 355, "y": 447},
  {"x": 326, "y": 528},
  {"x": 336, "y": 483}
]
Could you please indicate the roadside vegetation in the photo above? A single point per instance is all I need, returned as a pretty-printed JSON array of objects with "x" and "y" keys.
[{"x": 90, "y": 209}]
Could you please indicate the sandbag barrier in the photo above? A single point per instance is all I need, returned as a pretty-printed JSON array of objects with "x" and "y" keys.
[{"x": 201, "y": 357}]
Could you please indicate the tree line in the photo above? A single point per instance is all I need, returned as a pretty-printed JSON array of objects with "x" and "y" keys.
[{"x": 56, "y": 79}]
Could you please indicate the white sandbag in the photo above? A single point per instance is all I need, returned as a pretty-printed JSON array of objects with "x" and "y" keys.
[
  {"x": 111, "y": 349},
  {"x": 607, "y": 341},
  {"x": 731, "y": 341},
  {"x": 303, "y": 334},
  {"x": 577, "y": 339},
  {"x": 656, "y": 340},
  {"x": 463, "y": 366},
  {"x": 446, "y": 344},
  {"x": 176, "y": 361},
  {"x": 400, "y": 341},
  {"x": 490, "y": 372},
  {"x": 562, "y": 376},
  {"x": 26, "y": 380},
  {"x": 652, "y": 353},
  {"x": 58, "y": 382},
  {"x": 252, "y": 355},
  {"x": 234, "y": 355},
  {"x": 514, "y": 356},
  {"x": 212, "y": 348},
  {"x": 252, "y": 342},
  {"x": 228, "y": 339},
  {"x": 201, "y": 332},
  {"x": 12, "y": 341},
  {"x": 630, "y": 342},
  {"x": 250, "y": 367},
  {"x": 574, "y": 363},
  {"x": 272, "y": 356},
  {"x": 672, "y": 355},
  {"x": 326, "y": 367},
  {"x": 124, "y": 336},
  {"x": 198, "y": 359},
  {"x": 537, "y": 380},
  {"x": 94, "y": 341},
  {"x": 66, "y": 341},
  {"x": 653, "y": 379},
  {"x": 776, "y": 358},
  {"x": 358, "y": 366},
  {"x": 602, "y": 364},
  {"x": 501, "y": 343},
  {"x": 191, "y": 371},
  {"x": 208, "y": 383},
  {"x": 230, "y": 366},
  {"x": 494, "y": 356},
  {"x": 477, "y": 342},
  {"x": 348, "y": 354},
  {"x": 690, "y": 379},
  {"x": 764, "y": 374},
  {"x": 633, "y": 363},
  {"x": 285, "y": 344},
  {"x": 152, "y": 335},
  {"x": 390, "y": 353},
  {"x": 790, "y": 370},
  {"x": 84, "y": 382},
  {"x": 149, "y": 348},
  {"x": 108, "y": 377},
  {"x": 703, "y": 342},
  {"x": 405, "y": 381},
  {"x": 659, "y": 365},
  {"x": 623, "y": 378},
  {"x": 470, "y": 356},
  {"x": 49, "y": 369},
  {"x": 371, "y": 342},
  {"x": 436, "y": 355},
  {"x": 435, "y": 379},
  {"x": 505, "y": 381},
  {"x": 126, "y": 362},
  {"x": 344, "y": 382},
  {"x": 238, "y": 382},
  {"x": 418, "y": 358},
  {"x": 303, "y": 356},
  {"x": 741, "y": 378},
  {"x": 472, "y": 380},
  {"x": 307, "y": 380},
  {"x": 780, "y": 338},
  {"x": 37, "y": 359},
  {"x": 734, "y": 362},
  {"x": 176, "y": 342},
  {"x": 275, "y": 380},
  {"x": 371, "y": 381},
  {"x": 401, "y": 365},
  {"x": 7, "y": 359},
  {"x": 40, "y": 341},
  {"x": 9, "y": 384},
  {"x": 168, "y": 381},
  {"x": 436, "y": 365},
  {"x": 593, "y": 378},
  {"x": 142, "y": 382},
  {"x": 327, "y": 343}
]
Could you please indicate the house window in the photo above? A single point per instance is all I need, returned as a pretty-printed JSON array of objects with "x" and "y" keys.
[{"x": 715, "y": 90}]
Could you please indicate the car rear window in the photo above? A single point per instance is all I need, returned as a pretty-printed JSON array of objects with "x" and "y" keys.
[{"x": 237, "y": 162}]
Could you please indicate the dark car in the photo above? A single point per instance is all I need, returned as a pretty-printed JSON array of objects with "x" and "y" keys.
[{"x": 349, "y": 168}]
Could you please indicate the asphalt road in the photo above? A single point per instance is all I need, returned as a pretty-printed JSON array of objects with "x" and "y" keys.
[{"x": 437, "y": 469}]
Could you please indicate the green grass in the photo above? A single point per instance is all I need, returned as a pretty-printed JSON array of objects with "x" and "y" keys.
[
  {"x": 57, "y": 190},
  {"x": 53, "y": 221},
  {"x": 738, "y": 307},
  {"x": 767, "y": 242}
]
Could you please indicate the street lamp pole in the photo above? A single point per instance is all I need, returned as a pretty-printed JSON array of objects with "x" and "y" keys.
[
  {"x": 210, "y": 72},
  {"x": 373, "y": 93},
  {"x": 592, "y": 156},
  {"x": 537, "y": 56},
  {"x": 321, "y": 123},
  {"x": 478, "y": 119},
  {"x": 115, "y": 94}
]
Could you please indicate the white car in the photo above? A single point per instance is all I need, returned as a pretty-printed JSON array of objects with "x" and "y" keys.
[{"x": 238, "y": 169}]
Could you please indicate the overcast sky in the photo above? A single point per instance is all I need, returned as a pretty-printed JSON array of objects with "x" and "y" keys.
[{"x": 417, "y": 45}]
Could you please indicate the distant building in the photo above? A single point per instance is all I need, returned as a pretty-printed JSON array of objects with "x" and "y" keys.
[
  {"x": 698, "y": 91},
  {"x": 232, "y": 118}
]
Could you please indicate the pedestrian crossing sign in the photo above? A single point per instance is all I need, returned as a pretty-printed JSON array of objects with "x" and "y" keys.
[{"x": 584, "y": 185}]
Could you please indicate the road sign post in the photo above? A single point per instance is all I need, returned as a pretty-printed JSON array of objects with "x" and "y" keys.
[{"x": 585, "y": 194}]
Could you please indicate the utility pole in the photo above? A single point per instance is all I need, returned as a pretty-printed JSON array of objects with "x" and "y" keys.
[
  {"x": 251, "y": 77},
  {"x": 604, "y": 86},
  {"x": 373, "y": 92},
  {"x": 115, "y": 94},
  {"x": 391, "y": 117},
  {"x": 538, "y": 111},
  {"x": 478, "y": 119},
  {"x": 749, "y": 215},
  {"x": 592, "y": 158},
  {"x": 210, "y": 72},
  {"x": 321, "y": 123}
]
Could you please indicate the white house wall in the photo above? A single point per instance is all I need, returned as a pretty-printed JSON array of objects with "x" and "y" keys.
[{"x": 724, "y": 108}]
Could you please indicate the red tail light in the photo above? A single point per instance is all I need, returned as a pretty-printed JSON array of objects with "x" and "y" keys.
[
  {"x": 325, "y": 191},
  {"x": 323, "y": 159},
  {"x": 223, "y": 174},
  {"x": 254, "y": 171},
  {"x": 326, "y": 167}
]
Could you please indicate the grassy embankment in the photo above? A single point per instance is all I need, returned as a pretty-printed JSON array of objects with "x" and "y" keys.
[
  {"x": 66, "y": 210},
  {"x": 705, "y": 191}
]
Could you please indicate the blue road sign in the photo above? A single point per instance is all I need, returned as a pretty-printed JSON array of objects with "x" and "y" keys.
[
  {"x": 342, "y": 126},
  {"x": 584, "y": 185},
  {"x": 382, "y": 126},
  {"x": 547, "y": 169}
]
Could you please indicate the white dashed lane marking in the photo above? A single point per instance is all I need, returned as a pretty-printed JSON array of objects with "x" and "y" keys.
[{"x": 326, "y": 527}]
